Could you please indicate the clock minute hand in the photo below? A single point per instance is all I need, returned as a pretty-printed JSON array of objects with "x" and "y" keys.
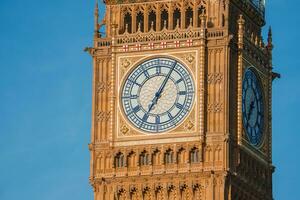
[
  {"x": 158, "y": 93},
  {"x": 251, "y": 109},
  {"x": 166, "y": 80}
]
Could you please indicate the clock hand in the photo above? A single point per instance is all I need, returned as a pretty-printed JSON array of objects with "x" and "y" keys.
[
  {"x": 158, "y": 93},
  {"x": 251, "y": 109}
]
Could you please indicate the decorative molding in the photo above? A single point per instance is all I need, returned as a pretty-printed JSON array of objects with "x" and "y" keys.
[
  {"x": 103, "y": 86},
  {"x": 190, "y": 58},
  {"x": 215, "y": 107},
  {"x": 103, "y": 115},
  {"x": 214, "y": 78}
]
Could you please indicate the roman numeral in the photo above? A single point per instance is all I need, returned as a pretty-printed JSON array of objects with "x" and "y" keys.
[
  {"x": 179, "y": 80},
  {"x": 158, "y": 70},
  {"x": 182, "y": 93},
  {"x": 179, "y": 106},
  {"x": 157, "y": 119},
  {"x": 136, "y": 109},
  {"x": 169, "y": 115},
  {"x": 130, "y": 97},
  {"x": 134, "y": 82},
  {"x": 146, "y": 74}
]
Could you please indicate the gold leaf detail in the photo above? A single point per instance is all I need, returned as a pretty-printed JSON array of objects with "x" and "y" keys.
[
  {"x": 125, "y": 63},
  {"x": 124, "y": 129},
  {"x": 190, "y": 58},
  {"x": 189, "y": 125}
]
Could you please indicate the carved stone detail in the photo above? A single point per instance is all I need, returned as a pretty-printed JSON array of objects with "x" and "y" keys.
[
  {"x": 190, "y": 58},
  {"x": 215, "y": 107},
  {"x": 103, "y": 115},
  {"x": 214, "y": 78},
  {"x": 103, "y": 86},
  {"x": 125, "y": 63}
]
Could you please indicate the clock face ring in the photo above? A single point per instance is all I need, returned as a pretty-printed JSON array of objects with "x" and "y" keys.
[
  {"x": 253, "y": 107},
  {"x": 157, "y": 95}
]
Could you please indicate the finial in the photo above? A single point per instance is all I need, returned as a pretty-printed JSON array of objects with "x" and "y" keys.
[
  {"x": 177, "y": 23},
  {"x": 96, "y": 9},
  {"x": 96, "y": 18},
  {"x": 191, "y": 21},
  {"x": 152, "y": 25},
  {"x": 165, "y": 24},
  {"x": 270, "y": 37},
  {"x": 241, "y": 29},
  {"x": 202, "y": 20}
]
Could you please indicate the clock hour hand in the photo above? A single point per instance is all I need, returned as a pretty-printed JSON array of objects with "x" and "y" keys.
[
  {"x": 161, "y": 88},
  {"x": 251, "y": 109}
]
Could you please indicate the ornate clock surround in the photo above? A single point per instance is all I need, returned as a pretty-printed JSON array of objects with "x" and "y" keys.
[
  {"x": 188, "y": 128},
  {"x": 262, "y": 74}
]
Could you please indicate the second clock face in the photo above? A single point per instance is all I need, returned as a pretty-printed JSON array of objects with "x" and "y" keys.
[
  {"x": 157, "y": 95},
  {"x": 253, "y": 107}
]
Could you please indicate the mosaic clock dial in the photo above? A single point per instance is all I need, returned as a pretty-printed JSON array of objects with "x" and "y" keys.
[
  {"x": 158, "y": 94},
  {"x": 253, "y": 107}
]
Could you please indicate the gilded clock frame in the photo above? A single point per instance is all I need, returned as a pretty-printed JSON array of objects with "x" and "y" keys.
[
  {"x": 187, "y": 130},
  {"x": 262, "y": 79}
]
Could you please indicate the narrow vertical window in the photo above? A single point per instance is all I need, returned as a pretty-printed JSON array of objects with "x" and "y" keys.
[
  {"x": 140, "y": 21},
  {"x": 152, "y": 20},
  {"x": 128, "y": 22},
  {"x": 189, "y": 17},
  {"x": 164, "y": 19},
  {"x": 176, "y": 18}
]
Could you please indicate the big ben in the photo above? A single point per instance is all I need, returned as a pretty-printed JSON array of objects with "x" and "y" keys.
[{"x": 181, "y": 105}]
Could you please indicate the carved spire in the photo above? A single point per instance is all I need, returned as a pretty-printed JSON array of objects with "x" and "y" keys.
[
  {"x": 270, "y": 40},
  {"x": 269, "y": 48},
  {"x": 96, "y": 18},
  {"x": 241, "y": 23},
  {"x": 202, "y": 20}
]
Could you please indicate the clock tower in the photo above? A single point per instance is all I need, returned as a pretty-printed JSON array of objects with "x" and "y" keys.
[{"x": 182, "y": 94}]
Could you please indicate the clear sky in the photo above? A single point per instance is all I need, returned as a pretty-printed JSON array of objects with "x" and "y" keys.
[{"x": 45, "y": 104}]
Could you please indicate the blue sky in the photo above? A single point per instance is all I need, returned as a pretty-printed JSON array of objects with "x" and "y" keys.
[{"x": 45, "y": 104}]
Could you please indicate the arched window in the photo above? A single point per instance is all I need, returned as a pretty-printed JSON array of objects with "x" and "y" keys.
[
  {"x": 144, "y": 158},
  {"x": 119, "y": 160},
  {"x": 194, "y": 155},
  {"x": 189, "y": 17},
  {"x": 152, "y": 20},
  {"x": 169, "y": 156},
  {"x": 176, "y": 17},
  {"x": 156, "y": 157},
  {"x": 180, "y": 156},
  {"x": 131, "y": 159},
  {"x": 164, "y": 19},
  {"x": 128, "y": 22},
  {"x": 140, "y": 21}
]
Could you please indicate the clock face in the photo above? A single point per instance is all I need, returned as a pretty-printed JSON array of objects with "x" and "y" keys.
[
  {"x": 253, "y": 107},
  {"x": 157, "y": 95}
]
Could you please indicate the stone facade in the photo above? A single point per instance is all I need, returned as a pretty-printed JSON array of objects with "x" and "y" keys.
[{"x": 208, "y": 156}]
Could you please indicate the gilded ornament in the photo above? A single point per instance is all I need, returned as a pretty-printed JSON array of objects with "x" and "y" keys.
[
  {"x": 124, "y": 129},
  {"x": 190, "y": 58}
]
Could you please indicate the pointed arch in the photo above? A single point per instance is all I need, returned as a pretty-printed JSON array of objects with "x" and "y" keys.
[
  {"x": 194, "y": 155},
  {"x": 140, "y": 21},
  {"x": 169, "y": 156},
  {"x": 144, "y": 158},
  {"x": 120, "y": 160},
  {"x": 152, "y": 20},
  {"x": 176, "y": 17},
  {"x": 164, "y": 17},
  {"x": 189, "y": 14}
]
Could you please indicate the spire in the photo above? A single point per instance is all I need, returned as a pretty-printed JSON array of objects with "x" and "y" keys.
[
  {"x": 270, "y": 40},
  {"x": 96, "y": 15}
]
